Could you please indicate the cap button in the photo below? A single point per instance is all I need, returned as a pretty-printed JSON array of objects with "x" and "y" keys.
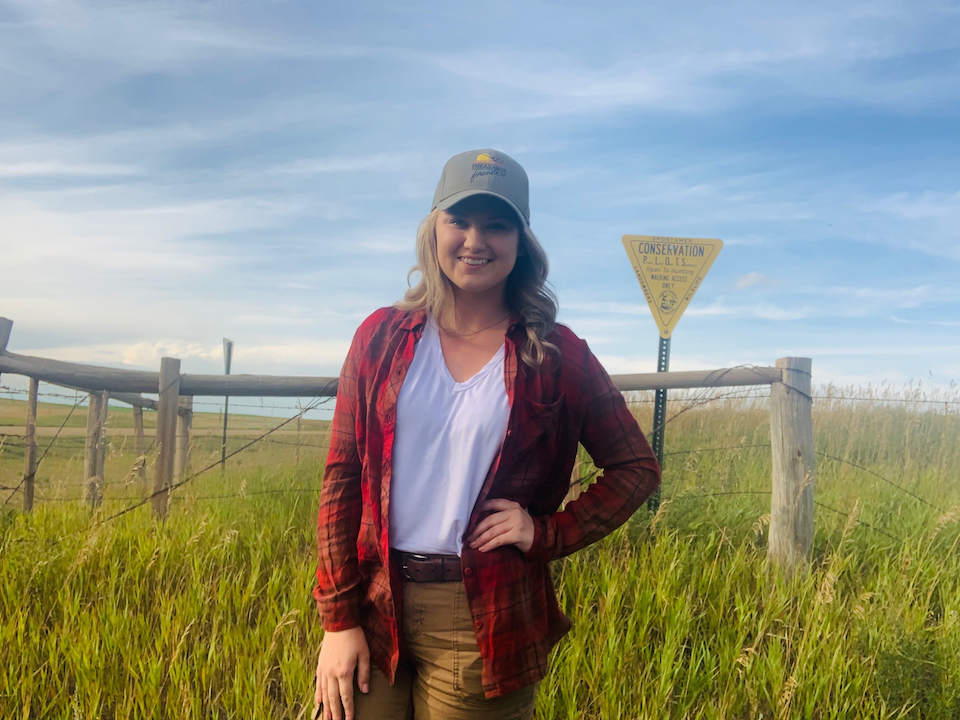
[{"x": 468, "y": 571}]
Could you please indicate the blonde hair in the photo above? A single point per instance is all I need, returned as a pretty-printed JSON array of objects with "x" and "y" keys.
[{"x": 527, "y": 293}]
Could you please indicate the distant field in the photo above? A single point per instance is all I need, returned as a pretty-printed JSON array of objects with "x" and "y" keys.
[
  {"x": 53, "y": 415},
  {"x": 209, "y": 615},
  {"x": 59, "y": 474}
]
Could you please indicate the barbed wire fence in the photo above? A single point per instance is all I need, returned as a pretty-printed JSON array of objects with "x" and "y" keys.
[
  {"x": 691, "y": 400},
  {"x": 72, "y": 447},
  {"x": 697, "y": 399},
  {"x": 701, "y": 398},
  {"x": 140, "y": 501}
]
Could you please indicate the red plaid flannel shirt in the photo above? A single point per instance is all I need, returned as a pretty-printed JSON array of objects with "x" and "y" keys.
[{"x": 514, "y": 606}]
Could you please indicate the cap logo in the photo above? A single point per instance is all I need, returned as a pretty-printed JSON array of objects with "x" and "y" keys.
[
  {"x": 487, "y": 164},
  {"x": 487, "y": 158}
]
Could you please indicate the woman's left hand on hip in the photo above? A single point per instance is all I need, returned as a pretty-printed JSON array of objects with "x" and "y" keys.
[{"x": 511, "y": 524}]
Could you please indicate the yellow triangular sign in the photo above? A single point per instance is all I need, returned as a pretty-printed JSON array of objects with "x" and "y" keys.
[{"x": 670, "y": 270}]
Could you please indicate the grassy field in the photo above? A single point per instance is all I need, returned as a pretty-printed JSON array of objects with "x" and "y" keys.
[{"x": 209, "y": 614}]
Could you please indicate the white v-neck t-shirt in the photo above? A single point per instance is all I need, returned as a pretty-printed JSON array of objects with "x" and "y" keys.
[{"x": 447, "y": 436}]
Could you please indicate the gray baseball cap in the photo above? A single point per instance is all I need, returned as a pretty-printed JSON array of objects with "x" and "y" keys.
[{"x": 484, "y": 172}]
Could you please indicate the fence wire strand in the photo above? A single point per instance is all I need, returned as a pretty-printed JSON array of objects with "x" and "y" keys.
[
  {"x": 858, "y": 521},
  {"x": 316, "y": 402},
  {"x": 699, "y": 398},
  {"x": 878, "y": 475},
  {"x": 40, "y": 460}
]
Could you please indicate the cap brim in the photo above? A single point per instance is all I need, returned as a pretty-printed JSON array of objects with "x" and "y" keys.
[{"x": 449, "y": 202}]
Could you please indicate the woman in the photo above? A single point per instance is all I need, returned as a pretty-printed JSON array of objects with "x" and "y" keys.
[{"x": 455, "y": 432}]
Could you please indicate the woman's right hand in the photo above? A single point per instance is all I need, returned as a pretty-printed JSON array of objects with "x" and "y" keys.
[{"x": 341, "y": 653}]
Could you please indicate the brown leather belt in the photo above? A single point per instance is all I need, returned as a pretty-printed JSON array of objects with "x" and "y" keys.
[{"x": 428, "y": 568}]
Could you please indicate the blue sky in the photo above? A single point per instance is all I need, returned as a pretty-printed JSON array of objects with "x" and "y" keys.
[{"x": 177, "y": 172}]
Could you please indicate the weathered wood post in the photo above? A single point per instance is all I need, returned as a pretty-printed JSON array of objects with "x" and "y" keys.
[
  {"x": 30, "y": 446},
  {"x": 166, "y": 433},
  {"x": 300, "y": 408},
  {"x": 102, "y": 439},
  {"x": 93, "y": 450},
  {"x": 141, "y": 444},
  {"x": 6, "y": 326},
  {"x": 90, "y": 446},
  {"x": 791, "y": 440},
  {"x": 184, "y": 425}
]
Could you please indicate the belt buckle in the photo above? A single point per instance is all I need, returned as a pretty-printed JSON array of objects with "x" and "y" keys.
[{"x": 411, "y": 556}]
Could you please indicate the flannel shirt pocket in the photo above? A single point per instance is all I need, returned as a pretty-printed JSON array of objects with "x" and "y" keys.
[{"x": 540, "y": 423}]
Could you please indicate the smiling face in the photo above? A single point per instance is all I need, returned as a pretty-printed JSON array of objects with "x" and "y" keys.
[{"x": 477, "y": 244}]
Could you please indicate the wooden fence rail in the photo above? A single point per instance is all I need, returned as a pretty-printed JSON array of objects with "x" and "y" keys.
[
  {"x": 96, "y": 379},
  {"x": 791, "y": 424}
]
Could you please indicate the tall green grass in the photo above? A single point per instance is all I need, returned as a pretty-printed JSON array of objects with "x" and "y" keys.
[
  {"x": 206, "y": 615},
  {"x": 676, "y": 615}
]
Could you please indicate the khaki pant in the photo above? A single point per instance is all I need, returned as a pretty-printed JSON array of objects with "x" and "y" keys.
[{"x": 441, "y": 678}]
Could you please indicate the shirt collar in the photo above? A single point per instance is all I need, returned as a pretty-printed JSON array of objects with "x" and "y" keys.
[
  {"x": 516, "y": 330},
  {"x": 414, "y": 320}
]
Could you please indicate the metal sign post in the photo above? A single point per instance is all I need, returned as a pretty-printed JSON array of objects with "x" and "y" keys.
[
  {"x": 669, "y": 271},
  {"x": 660, "y": 416},
  {"x": 227, "y": 359}
]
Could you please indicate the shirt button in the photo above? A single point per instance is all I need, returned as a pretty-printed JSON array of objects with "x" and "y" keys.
[
  {"x": 468, "y": 571},
  {"x": 477, "y": 624}
]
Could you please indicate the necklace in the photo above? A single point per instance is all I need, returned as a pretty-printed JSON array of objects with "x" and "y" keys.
[{"x": 474, "y": 332}]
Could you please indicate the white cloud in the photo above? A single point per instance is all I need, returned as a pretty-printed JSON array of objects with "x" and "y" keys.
[
  {"x": 302, "y": 354},
  {"x": 919, "y": 206},
  {"x": 925, "y": 221},
  {"x": 149, "y": 354},
  {"x": 628, "y": 365},
  {"x": 245, "y": 209},
  {"x": 749, "y": 240},
  {"x": 939, "y": 323},
  {"x": 327, "y": 352},
  {"x": 751, "y": 279},
  {"x": 53, "y": 167},
  {"x": 862, "y": 302},
  {"x": 762, "y": 311},
  {"x": 378, "y": 162},
  {"x": 145, "y": 237},
  {"x": 772, "y": 312},
  {"x": 616, "y": 308},
  {"x": 886, "y": 297},
  {"x": 126, "y": 38},
  {"x": 892, "y": 350},
  {"x": 804, "y": 53}
]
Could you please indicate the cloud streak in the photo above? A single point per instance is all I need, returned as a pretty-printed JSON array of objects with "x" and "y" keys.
[{"x": 192, "y": 170}]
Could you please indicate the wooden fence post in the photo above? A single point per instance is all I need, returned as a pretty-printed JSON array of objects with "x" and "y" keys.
[
  {"x": 791, "y": 440},
  {"x": 166, "y": 433},
  {"x": 92, "y": 469},
  {"x": 299, "y": 417},
  {"x": 6, "y": 326},
  {"x": 30, "y": 447},
  {"x": 184, "y": 425},
  {"x": 141, "y": 444},
  {"x": 102, "y": 439}
]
